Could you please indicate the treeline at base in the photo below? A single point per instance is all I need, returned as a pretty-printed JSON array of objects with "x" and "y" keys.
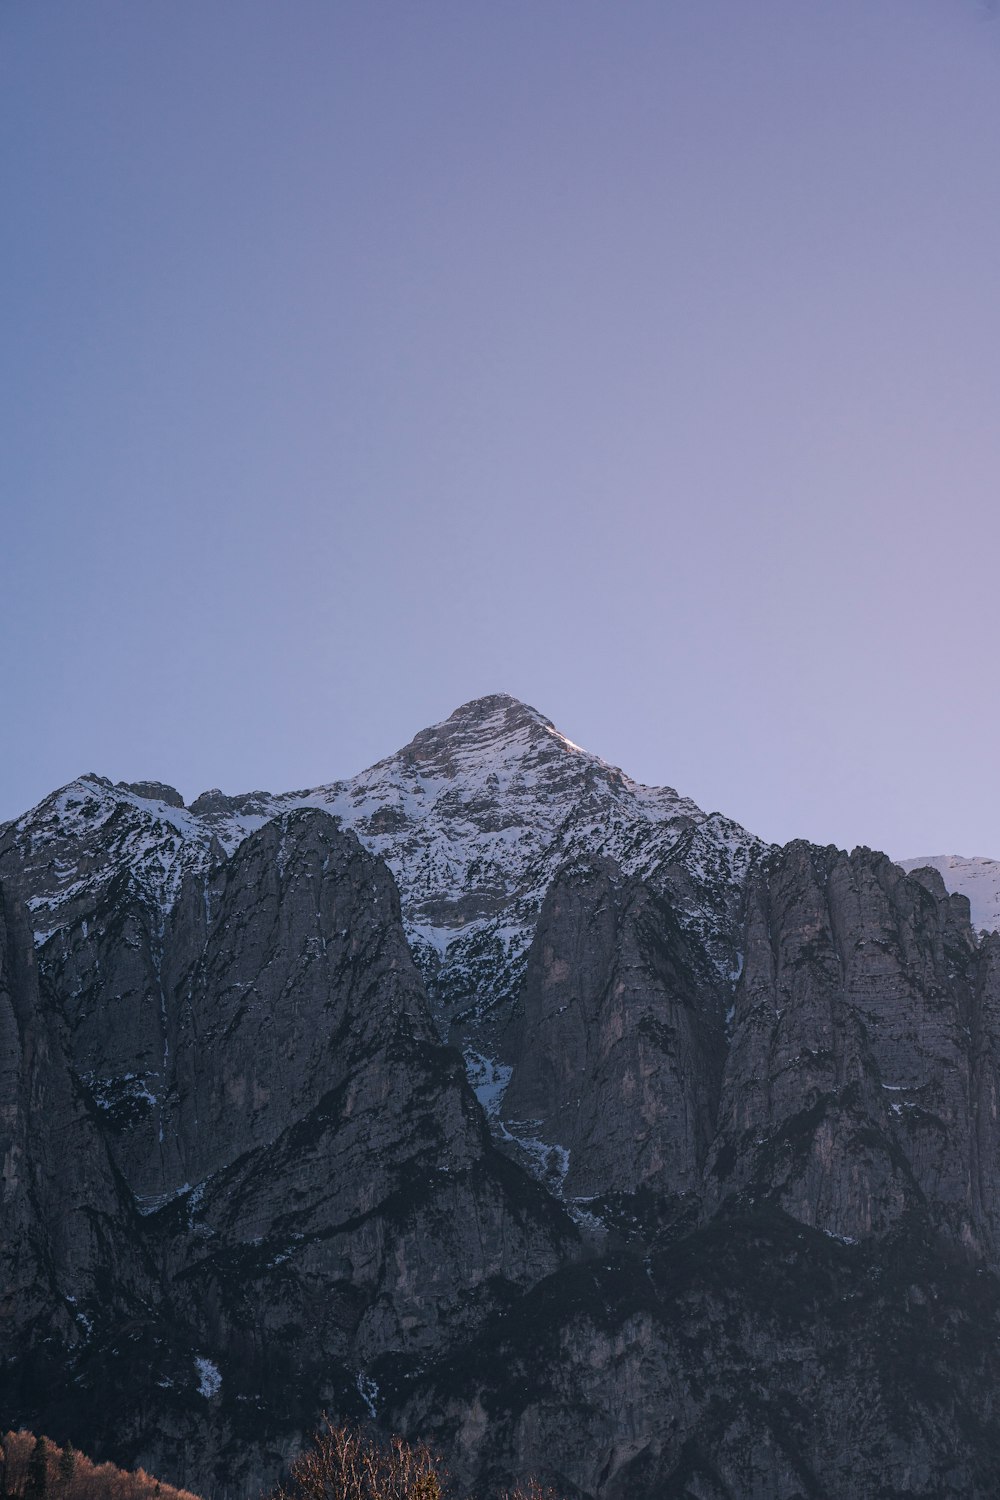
[
  {"x": 35, "y": 1468},
  {"x": 339, "y": 1464}
]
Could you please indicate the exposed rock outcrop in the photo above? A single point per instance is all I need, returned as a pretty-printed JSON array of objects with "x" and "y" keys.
[
  {"x": 617, "y": 1045},
  {"x": 850, "y": 1082},
  {"x": 71, "y": 1259}
]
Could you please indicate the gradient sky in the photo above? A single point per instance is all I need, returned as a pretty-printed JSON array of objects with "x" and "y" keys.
[{"x": 638, "y": 359}]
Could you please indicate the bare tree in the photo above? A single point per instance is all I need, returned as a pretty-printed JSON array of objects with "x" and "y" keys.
[{"x": 342, "y": 1465}]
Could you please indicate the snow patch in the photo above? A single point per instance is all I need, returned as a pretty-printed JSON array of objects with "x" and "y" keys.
[
  {"x": 488, "y": 1079},
  {"x": 151, "y": 1203},
  {"x": 585, "y": 1217},
  {"x": 209, "y": 1377},
  {"x": 546, "y": 1161},
  {"x": 368, "y": 1391}
]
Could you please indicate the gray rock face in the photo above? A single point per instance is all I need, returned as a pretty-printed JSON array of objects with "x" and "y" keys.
[
  {"x": 724, "y": 1220},
  {"x": 317, "y": 1113},
  {"x": 850, "y": 1080},
  {"x": 154, "y": 791},
  {"x": 282, "y": 969},
  {"x": 290, "y": 1147},
  {"x": 755, "y": 1357},
  {"x": 68, "y": 1245},
  {"x": 618, "y": 1043}
]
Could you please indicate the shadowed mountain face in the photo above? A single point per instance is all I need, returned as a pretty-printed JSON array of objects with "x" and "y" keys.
[
  {"x": 496, "y": 1098},
  {"x": 614, "y": 995}
]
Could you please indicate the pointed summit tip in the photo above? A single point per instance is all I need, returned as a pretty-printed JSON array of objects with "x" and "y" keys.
[
  {"x": 496, "y": 705},
  {"x": 484, "y": 728}
]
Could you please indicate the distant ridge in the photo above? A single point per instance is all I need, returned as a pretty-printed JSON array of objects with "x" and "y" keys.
[{"x": 978, "y": 878}]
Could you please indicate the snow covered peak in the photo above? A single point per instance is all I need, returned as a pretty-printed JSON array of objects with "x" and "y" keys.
[
  {"x": 474, "y": 817},
  {"x": 477, "y": 813},
  {"x": 464, "y": 810},
  {"x": 82, "y": 836}
]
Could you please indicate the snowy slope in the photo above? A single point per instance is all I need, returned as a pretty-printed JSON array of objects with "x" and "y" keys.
[
  {"x": 73, "y": 844},
  {"x": 977, "y": 878}
]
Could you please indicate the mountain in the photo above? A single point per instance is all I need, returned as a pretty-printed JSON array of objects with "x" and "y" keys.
[
  {"x": 492, "y": 1097},
  {"x": 474, "y": 817}
]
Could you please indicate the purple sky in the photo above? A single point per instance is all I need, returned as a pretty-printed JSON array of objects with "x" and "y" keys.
[{"x": 641, "y": 360}]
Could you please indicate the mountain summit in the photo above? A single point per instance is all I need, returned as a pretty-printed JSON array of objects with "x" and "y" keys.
[
  {"x": 497, "y": 716},
  {"x": 473, "y": 817}
]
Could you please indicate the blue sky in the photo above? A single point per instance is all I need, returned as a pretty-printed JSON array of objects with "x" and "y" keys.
[{"x": 638, "y": 359}]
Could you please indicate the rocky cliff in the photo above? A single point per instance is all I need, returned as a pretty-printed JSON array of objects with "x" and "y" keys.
[{"x": 497, "y": 1098}]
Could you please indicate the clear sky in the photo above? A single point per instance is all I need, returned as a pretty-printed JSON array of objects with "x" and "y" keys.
[{"x": 639, "y": 358}]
